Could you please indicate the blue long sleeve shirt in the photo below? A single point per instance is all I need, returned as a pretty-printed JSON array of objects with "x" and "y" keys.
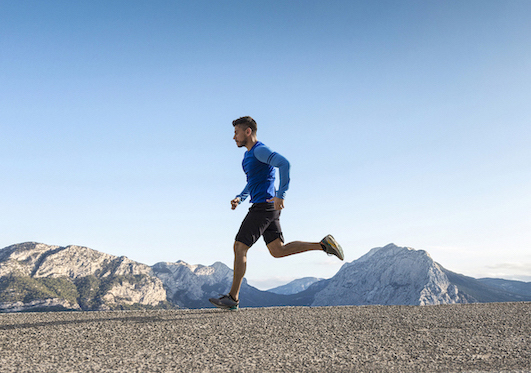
[{"x": 259, "y": 165}]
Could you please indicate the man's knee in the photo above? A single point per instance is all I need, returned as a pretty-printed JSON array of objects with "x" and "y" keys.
[
  {"x": 276, "y": 253},
  {"x": 240, "y": 248},
  {"x": 275, "y": 248}
]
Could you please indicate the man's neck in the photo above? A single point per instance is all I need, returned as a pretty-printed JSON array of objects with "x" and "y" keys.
[{"x": 251, "y": 143}]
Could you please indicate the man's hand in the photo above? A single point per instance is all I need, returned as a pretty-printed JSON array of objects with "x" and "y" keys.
[
  {"x": 279, "y": 202},
  {"x": 235, "y": 202}
]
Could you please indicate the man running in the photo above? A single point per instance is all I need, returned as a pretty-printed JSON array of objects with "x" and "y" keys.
[{"x": 259, "y": 164}]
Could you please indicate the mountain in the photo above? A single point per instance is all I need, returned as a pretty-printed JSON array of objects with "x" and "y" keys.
[
  {"x": 190, "y": 286},
  {"x": 482, "y": 292},
  {"x": 393, "y": 275},
  {"x": 35, "y": 276},
  {"x": 515, "y": 287},
  {"x": 295, "y": 286},
  {"x": 390, "y": 275}
]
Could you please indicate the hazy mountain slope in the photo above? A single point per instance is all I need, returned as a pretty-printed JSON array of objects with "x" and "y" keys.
[
  {"x": 295, "y": 286},
  {"x": 482, "y": 292},
  {"x": 516, "y": 287}
]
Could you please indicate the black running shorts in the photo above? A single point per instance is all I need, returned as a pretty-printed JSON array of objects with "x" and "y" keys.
[{"x": 261, "y": 220}]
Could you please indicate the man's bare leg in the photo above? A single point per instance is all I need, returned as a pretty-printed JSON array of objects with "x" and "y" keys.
[
  {"x": 278, "y": 249},
  {"x": 240, "y": 265}
]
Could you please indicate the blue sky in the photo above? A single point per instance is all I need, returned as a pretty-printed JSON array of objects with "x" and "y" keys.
[{"x": 404, "y": 122}]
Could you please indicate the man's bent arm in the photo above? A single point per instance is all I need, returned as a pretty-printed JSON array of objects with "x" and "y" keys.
[
  {"x": 244, "y": 194},
  {"x": 265, "y": 155}
]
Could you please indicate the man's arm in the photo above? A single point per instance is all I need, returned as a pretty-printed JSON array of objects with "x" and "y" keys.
[
  {"x": 265, "y": 155},
  {"x": 240, "y": 197}
]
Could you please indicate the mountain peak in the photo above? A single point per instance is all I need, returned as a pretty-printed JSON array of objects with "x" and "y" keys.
[
  {"x": 391, "y": 250},
  {"x": 390, "y": 275}
]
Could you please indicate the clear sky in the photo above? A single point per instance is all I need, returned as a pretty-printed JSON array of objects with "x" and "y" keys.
[{"x": 404, "y": 122}]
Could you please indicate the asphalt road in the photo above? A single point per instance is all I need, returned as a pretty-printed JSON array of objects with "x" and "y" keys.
[{"x": 450, "y": 338}]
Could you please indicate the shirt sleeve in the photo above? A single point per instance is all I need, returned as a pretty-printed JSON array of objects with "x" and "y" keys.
[
  {"x": 265, "y": 155},
  {"x": 244, "y": 194}
]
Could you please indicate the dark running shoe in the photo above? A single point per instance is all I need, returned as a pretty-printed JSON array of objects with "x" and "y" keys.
[
  {"x": 331, "y": 247},
  {"x": 225, "y": 302}
]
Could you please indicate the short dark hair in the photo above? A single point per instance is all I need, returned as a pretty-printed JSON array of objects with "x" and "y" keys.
[{"x": 246, "y": 122}]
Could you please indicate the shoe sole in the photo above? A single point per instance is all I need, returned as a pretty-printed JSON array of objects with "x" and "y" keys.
[
  {"x": 235, "y": 308},
  {"x": 222, "y": 307}
]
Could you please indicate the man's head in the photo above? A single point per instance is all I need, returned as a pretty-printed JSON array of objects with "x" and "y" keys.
[
  {"x": 244, "y": 131},
  {"x": 246, "y": 122}
]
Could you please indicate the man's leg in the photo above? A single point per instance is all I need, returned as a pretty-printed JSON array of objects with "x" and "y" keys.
[
  {"x": 240, "y": 265},
  {"x": 278, "y": 249}
]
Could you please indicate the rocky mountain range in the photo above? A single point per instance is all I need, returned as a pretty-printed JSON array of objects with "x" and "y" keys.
[{"x": 36, "y": 276}]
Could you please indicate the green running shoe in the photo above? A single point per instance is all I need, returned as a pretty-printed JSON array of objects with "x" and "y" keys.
[
  {"x": 225, "y": 302},
  {"x": 331, "y": 247}
]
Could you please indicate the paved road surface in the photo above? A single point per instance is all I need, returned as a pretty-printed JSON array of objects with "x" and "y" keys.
[{"x": 450, "y": 338}]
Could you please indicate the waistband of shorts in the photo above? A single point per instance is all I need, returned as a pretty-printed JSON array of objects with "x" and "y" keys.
[{"x": 262, "y": 205}]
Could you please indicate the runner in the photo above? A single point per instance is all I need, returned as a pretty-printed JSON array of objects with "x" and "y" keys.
[{"x": 259, "y": 164}]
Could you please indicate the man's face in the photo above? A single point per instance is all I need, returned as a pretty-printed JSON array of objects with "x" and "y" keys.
[{"x": 241, "y": 135}]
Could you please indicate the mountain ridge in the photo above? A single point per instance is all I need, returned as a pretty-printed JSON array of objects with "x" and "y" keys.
[
  {"x": 35, "y": 276},
  {"x": 295, "y": 286},
  {"x": 85, "y": 279}
]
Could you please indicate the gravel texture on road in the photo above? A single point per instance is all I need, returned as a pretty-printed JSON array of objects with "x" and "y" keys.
[{"x": 493, "y": 337}]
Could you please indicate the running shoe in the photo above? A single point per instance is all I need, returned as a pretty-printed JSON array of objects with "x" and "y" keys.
[
  {"x": 225, "y": 302},
  {"x": 331, "y": 247}
]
